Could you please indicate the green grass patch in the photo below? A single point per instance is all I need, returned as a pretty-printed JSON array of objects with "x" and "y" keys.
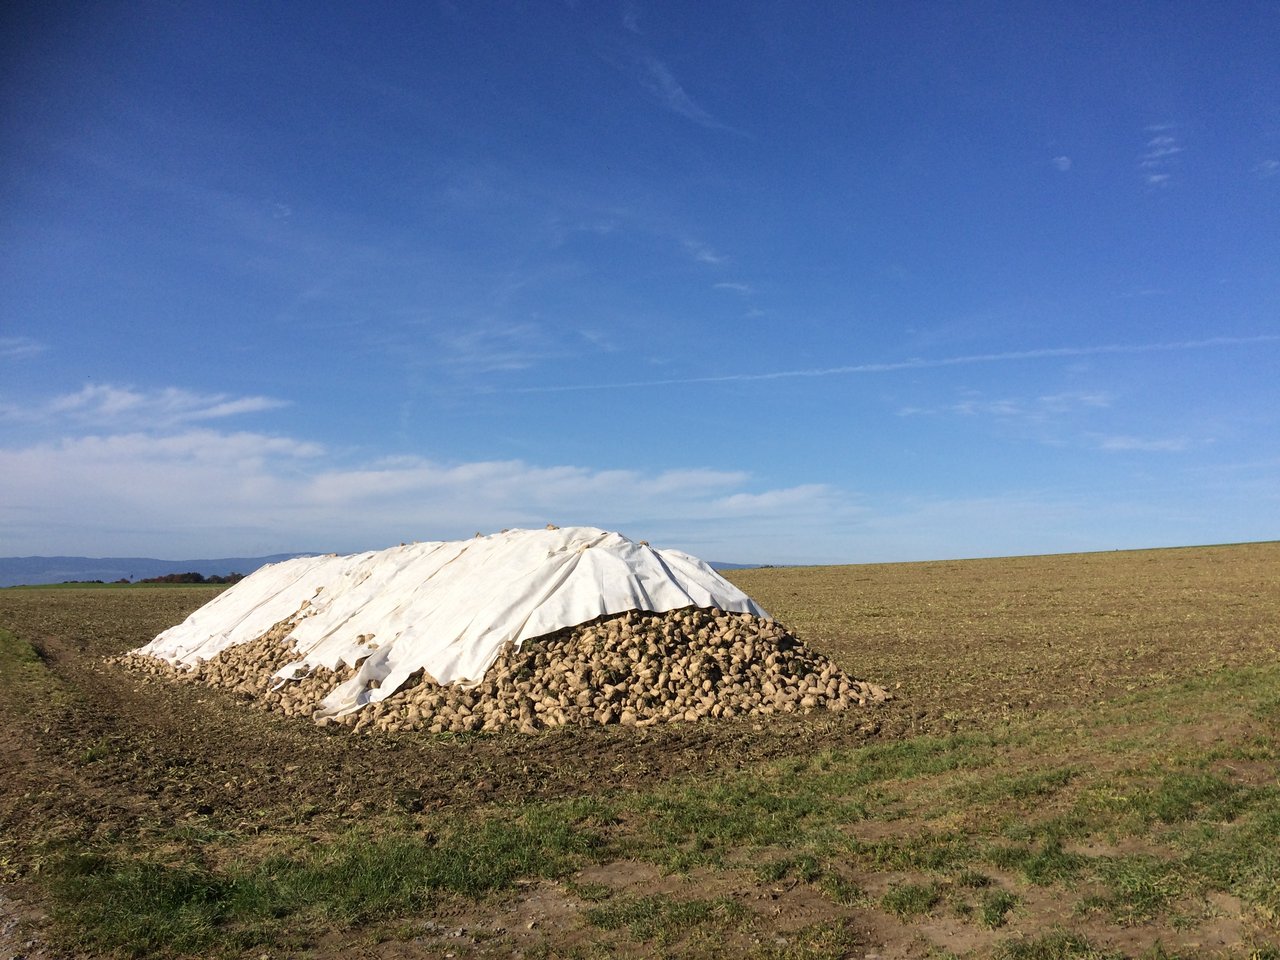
[
  {"x": 1243, "y": 857},
  {"x": 140, "y": 908},
  {"x": 843, "y": 891},
  {"x": 994, "y": 907},
  {"x": 590, "y": 892},
  {"x": 1042, "y": 865},
  {"x": 1189, "y": 796},
  {"x": 662, "y": 919},
  {"x": 1138, "y": 888},
  {"x": 803, "y": 868},
  {"x": 925, "y": 756},
  {"x": 821, "y": 941},
  {"x": 972, "y": 879},
  {"x": 699, "y": 823},
  {"x": 26, "y": 677},
  {"x": 801, "y": 803},
  {"x": 1058, "y": 945},
  {"x": 908, "y": 900},
  {"x": 920, "y": 851},
  {"x": 144, "y": 907},
  {"x": 1035, "y": 784}
]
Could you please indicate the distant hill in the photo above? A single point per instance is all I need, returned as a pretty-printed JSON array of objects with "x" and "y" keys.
[{"x": 17, "y": 571}]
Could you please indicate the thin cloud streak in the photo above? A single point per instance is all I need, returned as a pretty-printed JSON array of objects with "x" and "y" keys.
[
  {"x": 1161, "y": 156},
  {"x": 917, "y": 363},
  {"x": 121, "y": 407},
  {"x": 702, "y": 253},
  {"x": 1143, "y": 445},
  {"x": 663, "y": 85},
  {"x": 19, "y": 348}
]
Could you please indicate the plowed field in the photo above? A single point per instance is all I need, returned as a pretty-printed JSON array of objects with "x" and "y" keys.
[{"x": 1080, "y": 760}]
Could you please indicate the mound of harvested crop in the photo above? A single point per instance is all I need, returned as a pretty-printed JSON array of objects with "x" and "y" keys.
[{"x": 635, "y": 668}]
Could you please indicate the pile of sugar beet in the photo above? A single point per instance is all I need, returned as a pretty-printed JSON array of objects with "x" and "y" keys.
[{"x": 635, "y": 668}]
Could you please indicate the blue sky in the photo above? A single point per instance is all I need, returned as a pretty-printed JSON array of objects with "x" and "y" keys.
[{"x": 778, "y": 283}]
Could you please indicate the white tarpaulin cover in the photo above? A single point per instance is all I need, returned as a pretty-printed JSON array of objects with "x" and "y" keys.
[{"x": 446, "y": 608}]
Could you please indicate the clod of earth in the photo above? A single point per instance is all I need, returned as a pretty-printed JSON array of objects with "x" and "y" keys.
[{"x": 635, "y": 668}]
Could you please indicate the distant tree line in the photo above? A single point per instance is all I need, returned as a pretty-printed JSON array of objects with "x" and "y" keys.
[{"x": 194, "y": 578}]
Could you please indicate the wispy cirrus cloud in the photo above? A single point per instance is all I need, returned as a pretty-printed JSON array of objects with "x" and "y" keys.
[
  {"x": 1158, "y": 161},
  {"x": 1038, "y": 410},
  {"x": 1055, "y": 419},
  {"x": 1074, "y": 400},
  {"x": 743, "y": 288},
  {"x": 1142, "y": 444},
  {"x": 20, "y": 348},
  {"x": 661, "y": 82},
  {"x": 656, "y": 78},
  {"x": 921, "y": 363},
  {"x": 127, "y": 408},
  {"x": 631, "y": 19},
  {"x": 492, "y": 347},
  {"x": 1062, "y": 164},
  {"x": 1267, "y": 168},
  {"x": 703, "y": 253}
]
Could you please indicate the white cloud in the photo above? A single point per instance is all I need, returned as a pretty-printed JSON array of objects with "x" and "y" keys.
[
  {"x": 1035, "y": 409},
  {"x": 743, "y": 288},
  {"x": 809, "y": 498},
  {"x": 205, "y": 492},
  {"x": 599, "y": 339},
  {"x": 1074, "y": 400},
  {"x": 1267, "y": 168},
  {"x": 491, "y": 347},
  {"x": 125, "y": 408},
  {"x": 1159, "y": 150},
  {"x": 991, "y": 408},
  {"x": 19, "y": 348},
  {"x": 703, "y": 253},
  {"x": 142, "y": 482},
  {"x": 1055, "y": 420},
  {"x": 1143, "y": 445},
  {"x": 1160, "y": 157},
  {"x": 660, "y": 81},
  {"x": 1062, "y": 164},
  {"x": 208, "y": 492}
]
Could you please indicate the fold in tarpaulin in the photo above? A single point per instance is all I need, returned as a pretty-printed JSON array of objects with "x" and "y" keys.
[{"x": 446, "y": 608}]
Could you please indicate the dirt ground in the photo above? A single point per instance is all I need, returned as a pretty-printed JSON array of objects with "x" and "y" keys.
[{"x": 90, "y": 752}]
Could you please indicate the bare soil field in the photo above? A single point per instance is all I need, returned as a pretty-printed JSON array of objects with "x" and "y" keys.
[{"x": 1082, "y": 759}]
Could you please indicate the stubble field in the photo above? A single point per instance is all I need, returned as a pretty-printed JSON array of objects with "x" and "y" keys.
[{"x": 1082, "y": 760}]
